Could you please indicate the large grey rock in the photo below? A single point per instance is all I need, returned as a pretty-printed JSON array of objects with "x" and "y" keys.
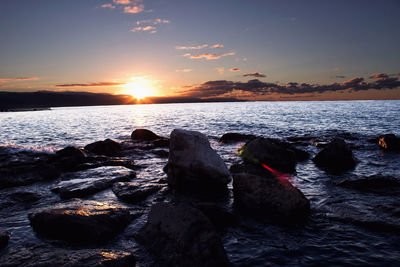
[
  {"x": 266, "y": 151},
  {"x": 180, "y": 235},
  {"x": 83, "y": 183},
  {"x": 267, "y": 195},
  {"x": 81, "y": 221},
  {"x": 335, "y": 157},
  {"x": 192, "y": 163},
  {"x": 134, "y": 192},
  {"x": 40, "y": 255}
]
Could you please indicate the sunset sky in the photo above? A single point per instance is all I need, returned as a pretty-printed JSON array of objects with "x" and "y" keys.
[{"x": 254, "y": 49}]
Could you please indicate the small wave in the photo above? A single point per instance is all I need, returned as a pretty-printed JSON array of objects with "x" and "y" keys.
[{"x": 12, "y": 149}]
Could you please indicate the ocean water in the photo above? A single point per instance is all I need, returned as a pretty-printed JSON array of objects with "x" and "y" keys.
[{"x": 346, "y": 227}]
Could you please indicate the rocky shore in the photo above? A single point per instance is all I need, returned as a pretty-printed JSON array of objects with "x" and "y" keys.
[{"x": 83, "y": 203}]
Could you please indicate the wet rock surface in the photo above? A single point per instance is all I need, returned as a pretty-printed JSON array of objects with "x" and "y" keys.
[
  {"x": 4, "y": 237},
  {"x": 193, "y": 164},
  {"x": 80, "y": 221},
  {"x": 236, "y": 137},
  {"x": 336, "y": 157},
  {"x": 389, "y": 142},
  {"x": 144, "y": 135},
  {"x": 134, "y": 192},
  {"x": 36, "y": 255},
  {"x": 180, "y": 235},
  {"x": 83, "y": 183},
  {"x": 107, "y": 147}
]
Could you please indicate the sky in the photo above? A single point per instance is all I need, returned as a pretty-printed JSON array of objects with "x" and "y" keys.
[{"x": 247, "y": 49}]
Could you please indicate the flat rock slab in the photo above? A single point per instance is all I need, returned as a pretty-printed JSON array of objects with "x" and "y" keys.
[
  {"x": 81, "y": 221},
  {"x": 90, "y": 181},
  {"x": 134, "y": 192},
  {"x": 35, "y": 255}
]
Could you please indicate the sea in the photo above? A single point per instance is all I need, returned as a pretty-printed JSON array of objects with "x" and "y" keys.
[{"x": 345, "y": 227}]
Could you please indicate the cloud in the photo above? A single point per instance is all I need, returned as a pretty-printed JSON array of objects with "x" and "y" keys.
[
  {"x": 255, "y": 74},
  {"x": 90, "y": 84},
  {"x": 217, "y": 46},
  {"x": 209, "y": 56},
  {"x": 191, "y": 47},
  {"x": 150, "y": 29},
  {"x": 221, "y": 70},
  {"x": 258, "y": 88},
  {"x": 4, "y": 80},
  {"x": 108, "y": 6},
  {"x": 122, "y": 2},
  {"x": 184, "y": 70},
  {"x": 134, "y": 9},
  {"x": 152, "y": 21},
  {"x": 234, "y": 69},
  {"x": 340, "y": 76}
]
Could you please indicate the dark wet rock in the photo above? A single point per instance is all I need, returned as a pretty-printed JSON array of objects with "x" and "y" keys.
[
  {"x": 161, "y": 153},
  {"x": 250, "y": 169},
  {"x": 335, "y": 157},
  {"x": 266, "y": 151},
  {"x": 236, "y": 137},
  {"x": 180, "y": 235},
  {"x": 25, "y": 196},
  {"x": 68, "y": 158},
  {"x": 70, "y": 152},
  {"x": 4, "y": 237},
  {"x": 374, "y": 140},
  {"x": 193, "y": 164},
  {"x": 83, "y": 183},
  {"x": 389, "y": 142},
  {"x": 219, "y": 216},
  {"x": 161, "y": 142},
  {"x": 373, "y": 184},
  {"x": 107, "y": 147},
  {"x": 269, "y": 196},
  {"x": 134, "y": 192},
  {"x": 81, "y": 221},
  {"x": 21, "y": 173},
  {"x": 300, "y": 155},
  {"x": 39, "y": 255},
  {"x": 144, "y": 135}
]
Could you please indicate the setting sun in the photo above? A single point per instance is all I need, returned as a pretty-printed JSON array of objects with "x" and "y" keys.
[{"x": 139, "y": 87}]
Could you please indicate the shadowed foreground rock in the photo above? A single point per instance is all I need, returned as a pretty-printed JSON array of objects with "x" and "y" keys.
[
  {"x": 83, "y": 183},
  {"x": 193, "y": 164},
  {"x": 35, "y": 255},
  {"x": 144, "y": 135},
  {"x": 4, "y": 237},
  {"x": 107, "y": 147},
  {"x": 389, "y": 142},
  {"x": 260, "y": 193},
  {"x": 134, "y": 192},
  {"x": 81, "y": 221},
  {"x": 180, "y": 235},
  {"x": 335, "y": 157}
]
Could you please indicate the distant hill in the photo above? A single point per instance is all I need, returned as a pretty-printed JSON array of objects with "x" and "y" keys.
[{"x": 46, "y": 99}]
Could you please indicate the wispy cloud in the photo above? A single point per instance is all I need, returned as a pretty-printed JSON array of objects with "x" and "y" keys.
[
  {"x": 4, "y": 80},
  {"x": 209, "y": 56},
  {"x": 217, "y": 46},
  {"x": 90, "y": 84},
  {"x": 123, "y": 2},
  {"x": 184, "y": 70},
  {"x": 258, "y": 88},
  {"x": 254, "y": 74},
  {"x": 149, "y": 28},
  {"x": 191, "y": 47},
  {"x": 108, "y": 6},
  {"x": 221, "y": 70},
  {"x": 152, "y": 21},
  {"x": 134, "y": 9},
  {"x": 234, "y": 69}
]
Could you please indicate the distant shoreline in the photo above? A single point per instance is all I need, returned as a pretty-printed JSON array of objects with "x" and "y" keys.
[{"x": 24, "y": 109}]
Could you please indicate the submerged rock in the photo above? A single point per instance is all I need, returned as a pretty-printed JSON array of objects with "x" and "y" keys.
[
  {"x": 4, "y": 237},
  {"x": 83, "y": 183},
  {"x": 81, "y": 221},
  {"x": 335, "y": 157},
  {"x": 134, "y": 192},
  {"x": 144, "y": 135},
  {"x": 40, "y": 255},
  {"x": 373, "y": 184},
  {"x": 236, "y": 137},
  {"x": 389, "y": 142},
  {"x": 107, "y": 147},
  {"x": 266, "y": 151},
  {"x": 180, "y": 235},
  {"x": 193, "y": 164}
]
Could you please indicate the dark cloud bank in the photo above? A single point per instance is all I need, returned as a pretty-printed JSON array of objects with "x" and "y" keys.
[{"x": 258, "y": 88}]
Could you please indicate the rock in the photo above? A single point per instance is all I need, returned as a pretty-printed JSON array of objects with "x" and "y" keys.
[
  {"x": 70, "y": 152},
  {"x": 144, "y": 135},
  {"x": 180, "y": 235},
  {"x": 300, "y": 155},
  {"x": 389, "y": 142},
  {"x": 373, "y": 184},
  {"x": 161, "y": 153},
  {"x": 83, "y": 183},
  {"x": 80, "y": 221},
  {"x": 4, "y": 237},
  {"x": 269, "y": 196},
  {"x": 236, "y": 137},
  {"x": 25, "y": 196},
  {"x": 193, "y": 164},
  {"x": 134, "y": 192},
  {"x": 266, "y": 151},
  {"x": 219, "y": 216},
  {"x": 18, "y": 174},
  {"x": 161, "y": 142},
  {"x": 68, "y": 158},
  {"x": 335, "y": 157},
  {"x": 40, "y": 255},
  {"x": 107, "y": 147}
]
